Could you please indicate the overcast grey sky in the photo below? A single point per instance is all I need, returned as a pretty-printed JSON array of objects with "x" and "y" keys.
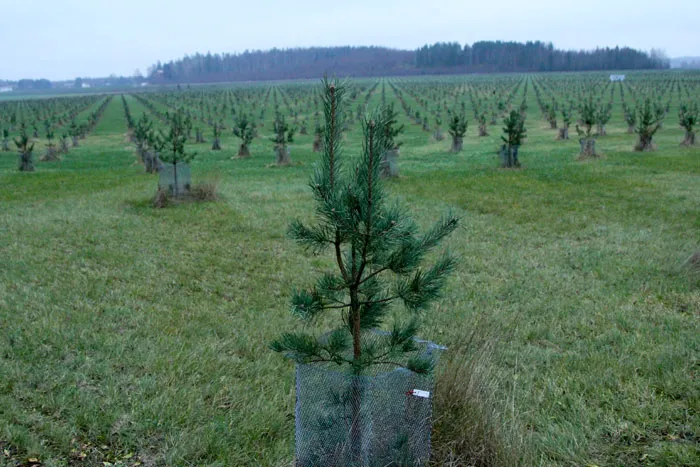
[{"x": 62, "y": 39}]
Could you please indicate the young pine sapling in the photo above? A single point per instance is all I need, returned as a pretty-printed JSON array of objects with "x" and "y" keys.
[
  {"x": 171, "y": 146},
  {"x": 688, "y": 119},
  {"x": 649, "y": 119},
  {"x": 457, "y": 128},
  {"x": 587, "y": 118},
  {"x": 244, "y": 130},
  {"x": 26, "y": 162},
  {"x": 514, "y": 133},
  {"x": 378, "y": 254},
  {"x": 283, "y": 135}
]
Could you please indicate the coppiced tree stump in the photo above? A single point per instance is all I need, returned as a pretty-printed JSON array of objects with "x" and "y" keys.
[{"x": 562, "y": 134}]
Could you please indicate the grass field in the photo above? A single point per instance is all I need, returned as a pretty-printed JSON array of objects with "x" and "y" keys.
[{"x": 131, "y": 334}]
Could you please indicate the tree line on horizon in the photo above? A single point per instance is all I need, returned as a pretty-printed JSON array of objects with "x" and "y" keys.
[{"x": 438, "y": 58}]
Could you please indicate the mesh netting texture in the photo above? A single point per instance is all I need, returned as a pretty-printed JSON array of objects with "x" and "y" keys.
[
  {"x": 380, "y": 419},
  {"x": 166, "y": 180}
]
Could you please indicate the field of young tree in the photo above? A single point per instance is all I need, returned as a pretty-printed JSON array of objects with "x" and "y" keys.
[{"x": 137, "y": 322}]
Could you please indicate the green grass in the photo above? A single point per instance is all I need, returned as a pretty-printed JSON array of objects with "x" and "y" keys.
[{"x": 130, "y": 332}]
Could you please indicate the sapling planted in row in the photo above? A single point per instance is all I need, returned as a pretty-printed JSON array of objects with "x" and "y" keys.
[
  {"x": 457, "y": 129},
  {"x": 26, "y": 162},
  {"x": 688, "y": 118},
  {"x": 283, "y": 134},
  {"x": 378, "y": 253},
  {"x": 649, "y": 119},
  {"x": 514, "y": 134},
  {"x": 391, "y": 129},
  {"x": 170, "y": 145},
  {"x": 244, "y": 130}
]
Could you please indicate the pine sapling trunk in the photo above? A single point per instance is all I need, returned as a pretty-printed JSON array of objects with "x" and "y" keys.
[
  {"x": 177, "y": 193},
  {"x": 356, "y": 387}
]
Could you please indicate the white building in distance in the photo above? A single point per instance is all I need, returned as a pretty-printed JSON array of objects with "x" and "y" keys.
[{"x": 617, "y": 77}]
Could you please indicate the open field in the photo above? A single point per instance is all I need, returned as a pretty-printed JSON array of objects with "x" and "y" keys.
[{"x": 135, "y": 334}]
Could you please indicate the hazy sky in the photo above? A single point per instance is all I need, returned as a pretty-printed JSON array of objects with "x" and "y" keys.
[{"x": 62, "y": 39}]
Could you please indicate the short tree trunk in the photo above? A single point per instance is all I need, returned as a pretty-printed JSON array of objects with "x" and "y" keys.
[
  {"x": 587, "y": 148},
  {"x": 438, "y": 135},
  {"x": 75, "y": 141},
  {"x": 317, "y": 143},
  {"x": 303, "y": 131},
  {"x": 243, "y": 151},
  {"x": 553, "y": 124},
  {"x": 151, "y": 162},
  {"x": 390, "y": 164},
  {"x": 50, "y": 155},
  {"x": 689, "y": 139},
  {"x": 64, "y": 146},
  {"x": 199, "y": 138},
  {"x": 26, "y": 164},
  {"x": 644, "y": 143},
  {"x": 563, "y": 134},
  {"x": 483, "y": 131},
  {"x": 509, "y": 157},
  {"x": 630, "y": 129},
  {"x": 216, "y": 145},
  {"x": 457, "y": 144},
  {"x": 282, "y": 154},
  {"x": 6, "y": 145},
  {"x": 601, "y": 130},
  {"x": 426, "y": 127}
]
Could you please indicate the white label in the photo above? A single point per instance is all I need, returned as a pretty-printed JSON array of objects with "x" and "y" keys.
[{"x": 419, "y": 393}]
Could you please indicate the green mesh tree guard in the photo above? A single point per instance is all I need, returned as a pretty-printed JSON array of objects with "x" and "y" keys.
[
  {"x": 168, "y": 176},
  {"x": 395, "y": 414}
]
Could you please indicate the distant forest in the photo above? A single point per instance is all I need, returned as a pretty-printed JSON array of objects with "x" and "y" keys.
[{"x": 439, "y": 58}]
